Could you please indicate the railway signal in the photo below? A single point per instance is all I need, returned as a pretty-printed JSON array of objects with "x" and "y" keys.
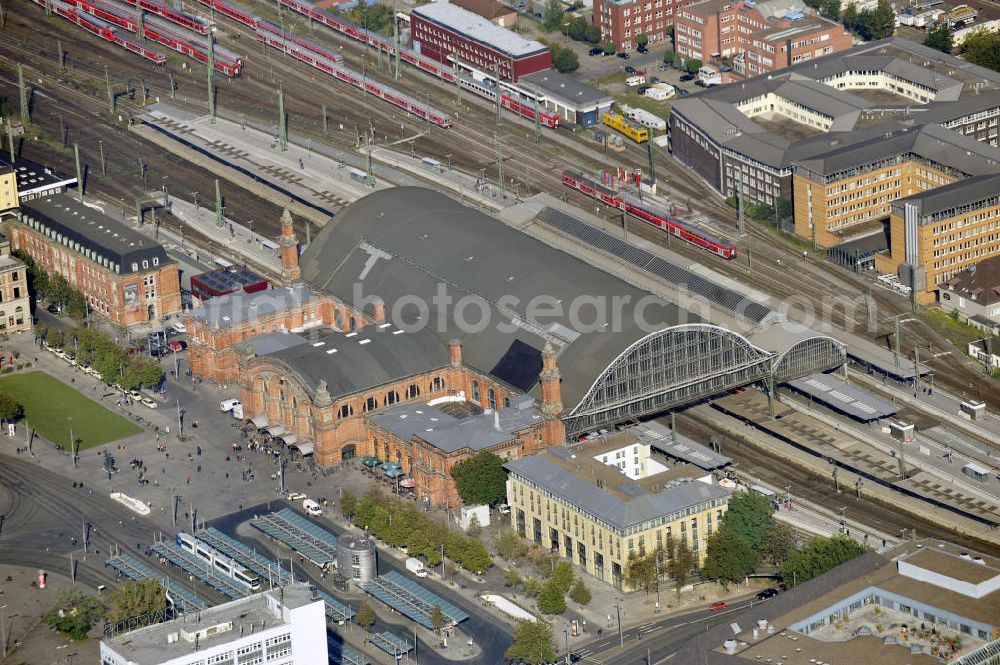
[
  {"x": 79, "y": 171},
  {"x": 211, "y": 69},
  {"x": 23, "y": 91},
  {"x": 282, "y": 120}
]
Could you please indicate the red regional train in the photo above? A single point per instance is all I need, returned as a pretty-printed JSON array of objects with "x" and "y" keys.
[
  {"x": 102, "y": 29},
  {"x": 660, "y": 219}
]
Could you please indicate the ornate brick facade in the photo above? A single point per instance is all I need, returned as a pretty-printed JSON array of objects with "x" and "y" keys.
[{"x": 341, "y": 428}]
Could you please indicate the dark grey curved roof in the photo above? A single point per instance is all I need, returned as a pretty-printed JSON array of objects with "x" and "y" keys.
[{"x": 413, "y": 243}]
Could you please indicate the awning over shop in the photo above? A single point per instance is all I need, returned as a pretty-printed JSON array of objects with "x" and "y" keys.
[
  {"x": 259, "y": 421},
  {"x": 408, "y": 483},
  {"x": 371, "y": 462},
  {"x": 305, "y": 447}
]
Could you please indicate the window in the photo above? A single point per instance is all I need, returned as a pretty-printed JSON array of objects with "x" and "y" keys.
[
  {"x": 391, "y": 397},
  {"x": 475, "y": 391},
  {"x": 437, "y": 384},
  {"x": 412, "y": 391},
  {"x": 345, "y": 411},
  {"x": 492, "y": 397},
  {"x": 370, "y": 404}
]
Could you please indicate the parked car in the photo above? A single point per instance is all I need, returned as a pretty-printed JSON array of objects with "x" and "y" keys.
[
  {"x": 176, "y": 329},
  {"x": 653, "y": 79},
  {"x": 597, "y": 50},
  {"x": 642, "y": 49},
  {"x": 297, "y": 496},
  {"x": 767, "y": 593},
  {"x": 177, "y": 345},
  {"x": 687, "y": 77},
  {"x": 629, "y": 69},
  {"x": 623, "y": 55},
  {"x": 53, "y": 308},
  {"x": 682, "y": 92},
  {"x": 717, "y": 606},
  {"x": 149, "y": 403},
  {"x": 643, "y": 88}
]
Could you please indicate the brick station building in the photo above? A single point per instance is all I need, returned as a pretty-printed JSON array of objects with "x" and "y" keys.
[
  {"x": 405, "y": 334},
  {"x": 441, "y": 29},
  {"x": 124, "y": 275}
]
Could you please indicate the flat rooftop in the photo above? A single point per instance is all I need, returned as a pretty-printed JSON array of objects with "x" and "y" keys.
[
  {"x": 156, "y": 644},
  {"x": 566, "y": 90},
  {"x": 479, "y": 29},
  {"x": 452, "y": 433},
  {"x": 952, "y": 565},
  {"x": 33, "y": 177},
  {"x": 237, "y": 308}
]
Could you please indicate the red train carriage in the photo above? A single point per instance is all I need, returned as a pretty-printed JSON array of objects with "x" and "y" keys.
[
  {"x": 231, "y": 11},
  {"x": 646, "y": 213}
]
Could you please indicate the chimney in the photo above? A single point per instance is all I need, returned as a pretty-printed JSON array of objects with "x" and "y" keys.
[
  {"x": 550, "y": 379},
  {"x": 378, "y": 309},
  {"x": 289, "y": 244},
  {"x": 455, "y": 352}
]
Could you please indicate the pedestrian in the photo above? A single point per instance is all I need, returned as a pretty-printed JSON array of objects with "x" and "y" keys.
[
  {"x": 227, "y": 475},
  {"x": 189, "y": 480}
]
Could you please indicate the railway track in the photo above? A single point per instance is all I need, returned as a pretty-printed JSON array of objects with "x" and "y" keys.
[{"x": 820, "y": 490}]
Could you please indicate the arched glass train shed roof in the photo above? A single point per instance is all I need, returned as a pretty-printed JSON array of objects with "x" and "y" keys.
[{"x": 622, "y": 353}]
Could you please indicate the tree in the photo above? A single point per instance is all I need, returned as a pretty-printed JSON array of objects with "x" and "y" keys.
[
  {"x": 55, "y": 338},
  {"x": 347, "y": 503},
  {"x": 692, "y": 65},
  {"x": 563, "y": 59},
  {"x": 135, "y": 598},
  {"x": 729, "y": 559},
  {"x": 532, "y": 644},
  {"x": 593, "y": 33},
  {"x": 562, "y": 575},
  {"x": 681, "y": 564},
  {"x": 668, "y": 57},
  {"x": 749, "y": 516},
  {"x": 580, "y": 593},
  {"x": 577, "y": 29},
  {"x": 982, "y": 48},
  {"x": 511, "y": 578},
  {"x": 75, "y": 613},
  {"x": 819, "y": 556},
  {"x": 877, "y": 23},
  {"x": 10, "y": 408},
  {"x": 365, "y": 616},
  {"x": 640, "y": 571},
  {"x": 554, "y": 15},
  {"x": 850, "y": 17},
  {"x": 939, "y": 37},
  {"x": 510, "y": 545},
  {"x": 481, "y": 479},
  {"x": 532, "y": 587},
  {"x": 777, "y": 544},
  {"x": 551, "y": 599},
  {"x": 609, "y": 48},
  {"x": 641, "y": 40},
  {"x": 678, "y": 61},
  {"x": 830, "y": 9},
  {"x": 437, "y": 618}
]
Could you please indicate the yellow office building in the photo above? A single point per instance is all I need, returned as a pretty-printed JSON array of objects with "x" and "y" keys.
[
  {"x": 8, "y": 188},
  {"x": 596, "y": 503}
]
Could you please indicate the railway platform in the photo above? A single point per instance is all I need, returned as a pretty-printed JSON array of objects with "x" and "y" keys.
[
  {"x": 309, "y": 175},
  {"x": 814, "y": 444}
]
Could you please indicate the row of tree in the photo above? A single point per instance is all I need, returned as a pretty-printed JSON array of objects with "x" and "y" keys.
[
  {"x": 402, "y": 524},
  {"x": 53, "y": 288},
  {"x": 91, "y": 347},
  {"x": 982, "y": 48},
  {"x": 749, "y": 537}
]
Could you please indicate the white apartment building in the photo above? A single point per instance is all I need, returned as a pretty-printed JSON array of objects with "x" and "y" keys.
[{"x": 278, "y": 627}]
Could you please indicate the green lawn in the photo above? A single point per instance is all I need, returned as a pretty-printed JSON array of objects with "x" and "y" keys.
[{"x": 53, "y": 408}]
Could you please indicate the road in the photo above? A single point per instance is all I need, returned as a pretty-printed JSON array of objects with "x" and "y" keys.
[{"x": 653, "y": 642}]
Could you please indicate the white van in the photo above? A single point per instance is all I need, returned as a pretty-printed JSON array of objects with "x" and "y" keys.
[
  {"x": 312, "y": 508},
  {"x": 233, "y": 406}
]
